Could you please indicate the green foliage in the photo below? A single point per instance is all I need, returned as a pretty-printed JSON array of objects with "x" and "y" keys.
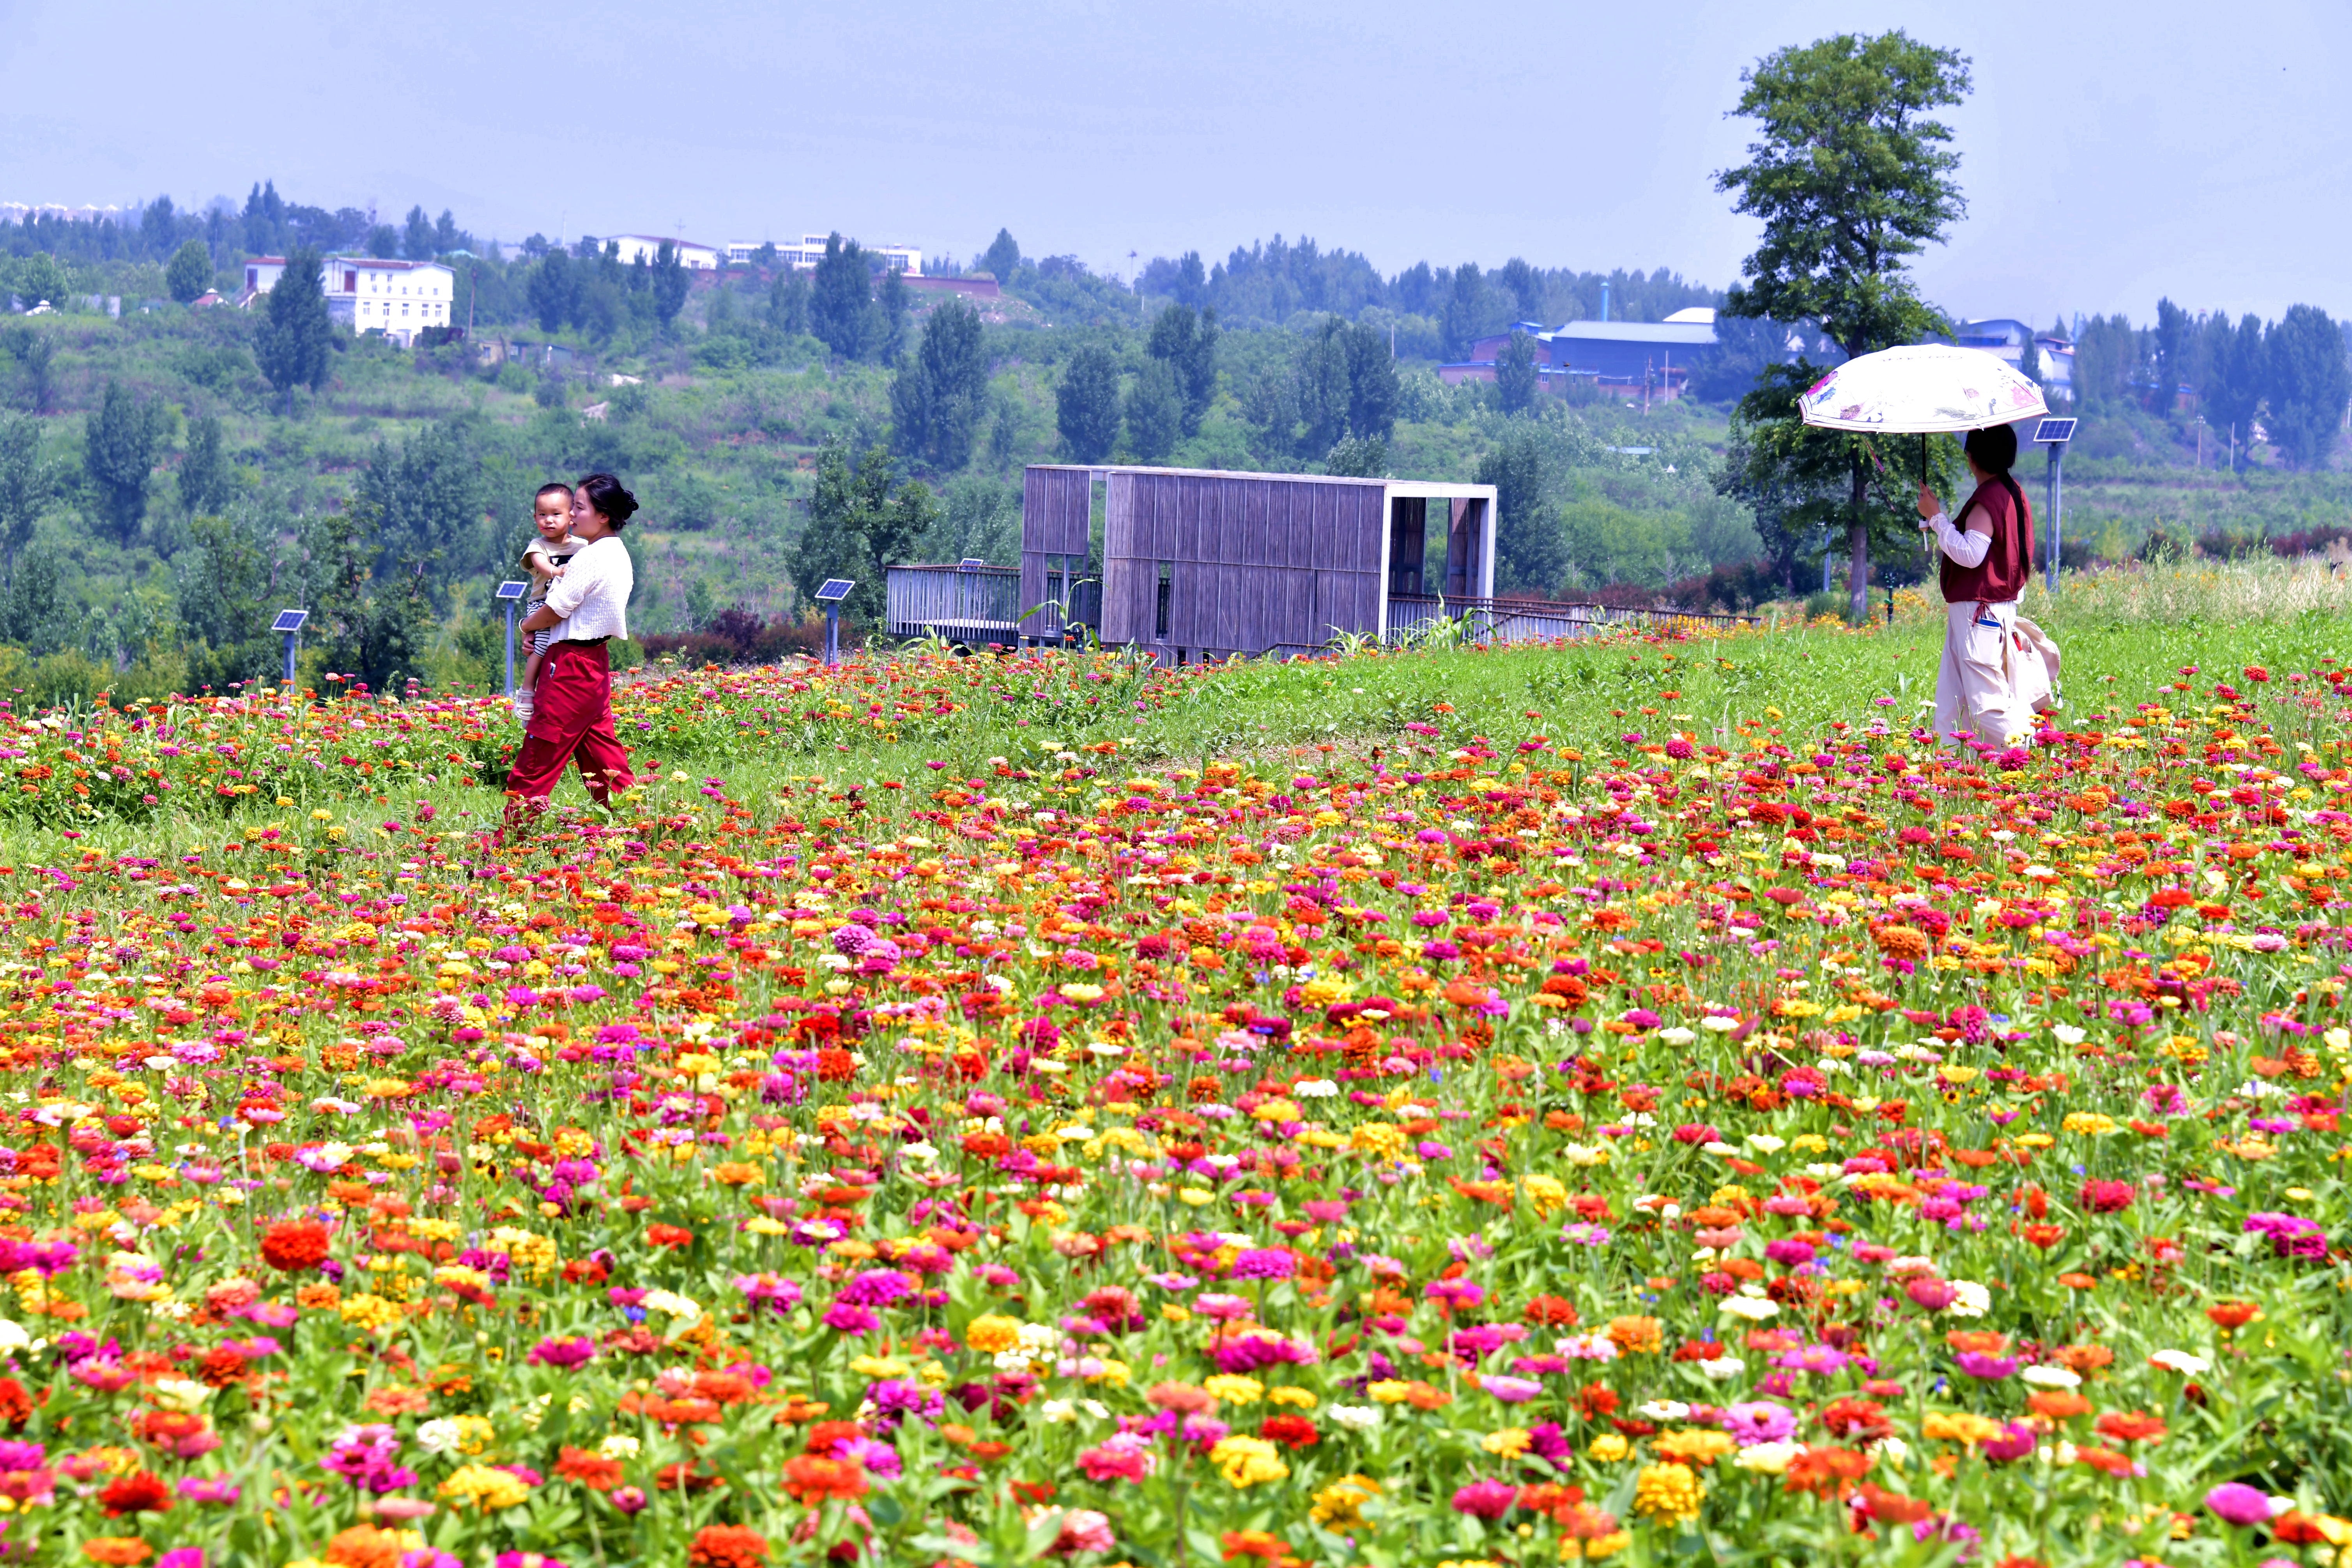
[
  {"x": 1002, "y": 259},
  {"x": 843, "y": 290},
  {"x": 1187, "y": 344},
  {"x": 1339, "y": 383},
  {"x": 939, "y": 393},
  {"x": 205, "y": 483},
  {"x": 2108, "y": 363},
  {"x": 368, "y": 619},
  {"x": 1364, "y": 458},
  {"x": 190, "y": 273},
  {"x": 2235, "y": 371},
  {"x": 1461, "y": 312},
  {"x": 29, "y": 480},
  {"x": 222, "y": 619},
  {"x": 978, "y": 519},
  {"x": 34, "y": 613},
  {"x": 1086, "y": 404},
  {"x": 40, "y": 281},
  {"x": 861, "y": 519},
  {"x": 297, "y": 336},
  {"x": 2307, "y": 384},
  {"x": 554, "y": 289},
  {"x": 788, "y": 304},
  {"x": 1849, "y": 179},
  {"x": 120, "y": 446},
  {"x": 423, "y": 502},
  {"x": 36, "y": 353},
  {"x": 1154, "y": 413},
  {"x": 1531, "y": 551},
  {"x": 670, "y": 283},
  {"x": 1516, "y": 382}
]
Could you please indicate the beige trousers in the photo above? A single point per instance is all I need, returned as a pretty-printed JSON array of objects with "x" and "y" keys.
[{"x": 1976, "y": 691}]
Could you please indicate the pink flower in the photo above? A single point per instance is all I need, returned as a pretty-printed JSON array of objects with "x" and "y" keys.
[
  {"x": 1084, "y": 1530},
  {"x": 1124, "y": 1456},
  {"x": 2239, "y": 1503},
  {"x": 1486, "y": 1499}
]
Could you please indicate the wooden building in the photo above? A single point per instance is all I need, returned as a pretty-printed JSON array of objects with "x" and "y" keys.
[{"x": 1196, "y": 563}]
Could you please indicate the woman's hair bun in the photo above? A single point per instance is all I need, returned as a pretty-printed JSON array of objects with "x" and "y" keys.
[{"x": 609, "y": 498}]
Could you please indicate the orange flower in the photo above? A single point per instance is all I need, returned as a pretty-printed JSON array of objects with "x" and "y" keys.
[
  {"x": 2058, "y": 1405},
  {"x": 590, "y": 1469},
  {"x": 1825, "y": 1471},
  {"x": 815, "y": 1480},
  {"x": 2130, "y": 1427},
  {"x": 117, "y": 1549},
  {"x": 727, "y": 1546},
  {"x": 2229, "y": 1316},
  {"x": 1636, "y": 1336},
  {"x": 364, "y": 1546}
]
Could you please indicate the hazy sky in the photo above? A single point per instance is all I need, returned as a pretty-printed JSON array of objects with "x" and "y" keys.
[{"x": 2111, "y": 151}]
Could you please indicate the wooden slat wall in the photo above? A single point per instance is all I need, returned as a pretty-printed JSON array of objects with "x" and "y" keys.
[
  {"x": 1055, "y": 504},
  {"x": 1258, "y": 564}
]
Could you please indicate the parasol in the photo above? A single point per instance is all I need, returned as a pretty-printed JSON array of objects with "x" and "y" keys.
[{"x": 1923, "y": 389}]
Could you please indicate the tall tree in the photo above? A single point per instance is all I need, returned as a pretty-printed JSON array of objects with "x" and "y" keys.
[
  {"x": 1514, "y": 374},
  {"x": 205, "y": 481},
  {"x": 297, "y": 335},
  {"x": 416, "y": 236},
  {"x": 1187, "y": 344},
  {"x": 2173, "y": 344},
  {"x": 670, "y": 283},
  {"x": 1085, "y": 405},
  {"x": 552, "y": 291},
  {"x": 122, "y": 442},
  {"x": 1372, "y": 389},
  {"x": 190, "y": 272},
  {"x": 2234, "y": 390},
  {"x": 425, "y": 501},
  {"x": 1458, "y": 315},
  {"x": 891, "y": 305},
  {"x": 28, "y": 481},
  {"x": 788, "y": 304},
  {"x": 837, "y": 304},
  {"x": 1001, "y": 256},
  {"x": 1851, "y": 177},
  {"x": 222, "y": 578},
  {"x": 1530, "y": 546},
  {"x": 2307, "y": 384},
  {"x": 861, "y": 519},
  {"x": 1323, "y": 388},
  {"x": 940, "y": 391},
  {"x": 1155, "y": 413},
  {"x": 1524, "y": 284}
]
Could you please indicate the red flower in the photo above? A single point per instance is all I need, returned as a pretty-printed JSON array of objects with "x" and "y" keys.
[
  {"x": 813, "y": 1479},
  {"x": 727, "y": 1546},
  {"x": 2107, "y": 1196},
  {"x": 141, "y": 1492},
  {"x": 1550, "y": 1312},
  {"x": 669, "y": 1236},
  {"x": 590, "y": 1470},
  {"x": 293, "y": 1245},
  {"x": 1290, "y": 1431}
]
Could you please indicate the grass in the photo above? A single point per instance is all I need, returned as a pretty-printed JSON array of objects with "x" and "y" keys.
[{"x": 2126, "y": 636}]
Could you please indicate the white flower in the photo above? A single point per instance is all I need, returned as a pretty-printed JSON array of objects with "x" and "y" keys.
[
  {"x": 1719, "y": 1024},
  {"x": 617, "y": 1447},
  {"x": 180, "y": 1393},
  {"x": 13, "y": 1337},
  {"x": 1585, "y": 1154},
  {"x": 2050, "y": 1377},
  {"x": 2186, "y": 1363},
  {"x": 1675, "y": 1036},
  {"x": 1356, "y": 1417},
  {"x": 1894, "y": 1450},
  {"x": 1059, "y": 1412},
  {"x": 1720, "y": 1147},
  {"x": 2067, "y": 1033},
  {"x": 1910, "y": 1263},
  {"x": 438, "y": 1436},
  {"x": 1972, "y": 1300},
  {"x": 1755, "y": 1309},
  {"x": 1315, "y": 1089},
  {"x": 1770, "y": 1458},
  {"x": 669, "y": 1304},
  {"x": 1767, "y": 1143},
  {"x": 1722, "y": 1368},
  {"x": 1663, "y": 1410}
]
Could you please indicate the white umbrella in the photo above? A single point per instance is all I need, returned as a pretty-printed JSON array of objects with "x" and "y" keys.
[{"x": 1921, "y": 389}]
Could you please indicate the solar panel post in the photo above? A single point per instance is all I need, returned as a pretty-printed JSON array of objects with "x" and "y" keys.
[
  {"x": 834, "y": 590},
  {"x": 288, "y": 623},
  {"x": 510, "y": 595}
]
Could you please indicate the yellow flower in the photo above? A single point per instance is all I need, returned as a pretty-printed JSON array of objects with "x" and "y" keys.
[
  {"x": 1668, "y": 1493},
  {"x": 489, "y": 1488},
  {"x": 2090, "y": 1124},
  {"x": 1546, "y": 1195},
  {"x": 1233, "y": 1390},
  {"x": 1595, "y": 1549},
  {"x": 1510, "y": 1443},
  {"x": 1340, "y": 1506},
  {"x": 1247, "y": 1462},
  {"x": 1958, "y": 1426},
  {"x": 1608, "y": 1447},
  {"x": 1382, "y": 1140},
  {"x": 1299, "y": 1396},
  {"x": 1390, "y": 1391},
  {"x": 990, "y": 1332}
]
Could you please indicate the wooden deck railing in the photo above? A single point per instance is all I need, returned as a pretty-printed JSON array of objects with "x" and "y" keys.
[{"x": 974, "y": 604}]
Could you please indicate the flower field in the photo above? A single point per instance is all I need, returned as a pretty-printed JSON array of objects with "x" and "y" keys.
[{"x": 943, "y": 1118}]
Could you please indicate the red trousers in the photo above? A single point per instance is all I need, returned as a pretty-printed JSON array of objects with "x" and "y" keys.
[{"x": 571, "y": 719}]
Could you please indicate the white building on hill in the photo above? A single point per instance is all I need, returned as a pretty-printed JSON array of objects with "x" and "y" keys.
[
  {"x": 370, "y": 294},
  {"x": 906, "y": 258},
  {"x": 694, "y": 258}
]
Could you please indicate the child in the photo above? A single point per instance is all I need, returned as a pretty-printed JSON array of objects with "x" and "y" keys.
[{"x": 546, "y": 556}]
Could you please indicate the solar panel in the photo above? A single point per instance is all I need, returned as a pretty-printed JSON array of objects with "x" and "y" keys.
[
  {"x": 970, "y": 562},
  {"x": 512, "y": 589},
  {"x": 289, "y": 621},
  {"x": 835, "y": 589},
  {"x": 2054, "y": 430}
]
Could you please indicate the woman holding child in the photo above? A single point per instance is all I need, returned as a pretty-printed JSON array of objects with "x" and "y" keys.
[{"x": 569, "y": 716}]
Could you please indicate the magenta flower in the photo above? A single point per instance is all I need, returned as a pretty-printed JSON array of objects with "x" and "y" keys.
[
  {"x": 2238, "y": 1503},
  {"x": 1486, "y": 1499}
]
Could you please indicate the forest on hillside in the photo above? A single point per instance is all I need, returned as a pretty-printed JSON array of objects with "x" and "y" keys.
[{"x": 172, "y": 476}]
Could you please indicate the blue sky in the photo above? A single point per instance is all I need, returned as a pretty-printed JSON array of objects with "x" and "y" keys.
[{"x": 2113, "y": 152}]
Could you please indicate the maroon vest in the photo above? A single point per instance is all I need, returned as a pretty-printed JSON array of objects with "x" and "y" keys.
[{"x": 2009, "y": 561}]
